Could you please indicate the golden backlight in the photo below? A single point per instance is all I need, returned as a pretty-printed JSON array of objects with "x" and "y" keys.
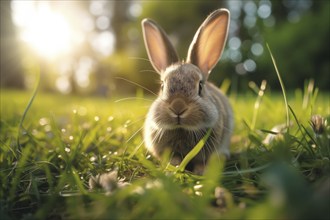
[{"x": 44, "y": 30}]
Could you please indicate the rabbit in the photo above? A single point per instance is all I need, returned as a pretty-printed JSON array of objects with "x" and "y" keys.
[{"x": 188, "y": 105}]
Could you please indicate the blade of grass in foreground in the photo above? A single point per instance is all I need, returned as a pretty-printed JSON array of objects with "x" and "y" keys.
[
  {"x": 282, "y": 87},
  {"x": 35, "y": 91},
  {"x": 194, "y": 151}
]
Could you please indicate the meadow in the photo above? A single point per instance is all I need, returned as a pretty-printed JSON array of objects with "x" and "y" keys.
[{"x": 73, "y": 157}]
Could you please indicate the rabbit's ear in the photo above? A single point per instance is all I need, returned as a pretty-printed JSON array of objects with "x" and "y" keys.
[
  {"x": 160, "y": 51},
  {"x": 209, "y": 41}
]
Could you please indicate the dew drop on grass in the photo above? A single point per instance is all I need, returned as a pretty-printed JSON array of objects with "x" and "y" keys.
[
  {"x": 67, "y": 150},
  {"x": 123, "y": 130},
  {"x": 148, "y": 156},
  {"x": 43, "y": 121},
  {"x": 261, "y": 93},
  {"x": 96, "y": 118},
  {"x": 92, "y": 159},
  {"x": 198, "y": 187},
  {"x": 48, "y": 128},
  {"x": 154, "y": 184},
  {"x": 74, "y": 111},
  {"x": 139, "y": 190},
  {"x": 35, "y": 132},
  {"x": 70, "y": 137},
  {"x": 63, "y": 130},
  {"x": 110, "y": 118},
  {"x": 86, "y": 126},
  {"x": 127, "y": 123},
  {"x": 82, "y": 111}
]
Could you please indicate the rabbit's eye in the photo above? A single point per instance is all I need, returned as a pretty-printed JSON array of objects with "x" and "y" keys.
[{"x": 200, "y": 88}]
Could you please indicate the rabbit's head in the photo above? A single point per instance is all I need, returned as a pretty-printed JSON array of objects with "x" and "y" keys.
[{"x": 184, "y": 100}]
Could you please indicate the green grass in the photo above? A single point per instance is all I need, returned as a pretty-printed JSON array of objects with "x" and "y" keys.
[{"x": 64, "y": 141}]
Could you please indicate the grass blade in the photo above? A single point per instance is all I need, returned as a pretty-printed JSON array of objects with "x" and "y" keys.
[
  {"x": 261, "y": 92},
  {"x": 282, "y": 87},
  {"x": 302, "y": 133},
  {"x": 35, "y": 91},
  {"x": 194, "y": 151}
]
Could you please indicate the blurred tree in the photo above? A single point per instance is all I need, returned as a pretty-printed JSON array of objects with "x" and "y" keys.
[
  {"x": 11, "y": 74},
  {"x": 119, "y": 20},
  {"x": 116, "y": 62},
  {"x": 302, "y": 47},
  {"x": 296, "y": 30}
]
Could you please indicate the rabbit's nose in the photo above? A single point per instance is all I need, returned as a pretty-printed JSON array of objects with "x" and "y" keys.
[{"x": 178, "y": 106}]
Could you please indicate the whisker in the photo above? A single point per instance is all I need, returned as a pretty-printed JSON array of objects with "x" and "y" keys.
[
  {"x": 149, "y": 71},
  {"x": 134, "y": 83},
  {"x": 157, "y": 135},
  {"x": 139, "y": 58},
  {"x": 128, "y": 140},
  {"x": 160, "y": 134},
  {"x": 136, "y": 149},
  {"x": 132, "y": 98},
  {"x": 136, "y": 121}
]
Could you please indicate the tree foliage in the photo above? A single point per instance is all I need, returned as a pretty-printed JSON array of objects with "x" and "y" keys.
[
  {"x": 11, "y": 73},
  {"x": 296, "y": 31}
]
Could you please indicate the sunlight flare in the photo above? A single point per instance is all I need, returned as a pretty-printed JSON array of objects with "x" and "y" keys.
[{"x": 44, "y": 30}]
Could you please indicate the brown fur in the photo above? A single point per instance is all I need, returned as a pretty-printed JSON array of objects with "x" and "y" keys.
[{"x": 188, "y": 106}]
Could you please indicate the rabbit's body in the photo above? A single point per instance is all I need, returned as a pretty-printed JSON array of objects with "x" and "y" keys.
[{"x": 188, "y": 106}]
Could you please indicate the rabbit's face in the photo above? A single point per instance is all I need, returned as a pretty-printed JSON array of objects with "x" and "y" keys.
[{"x": 184, "y": 101}]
